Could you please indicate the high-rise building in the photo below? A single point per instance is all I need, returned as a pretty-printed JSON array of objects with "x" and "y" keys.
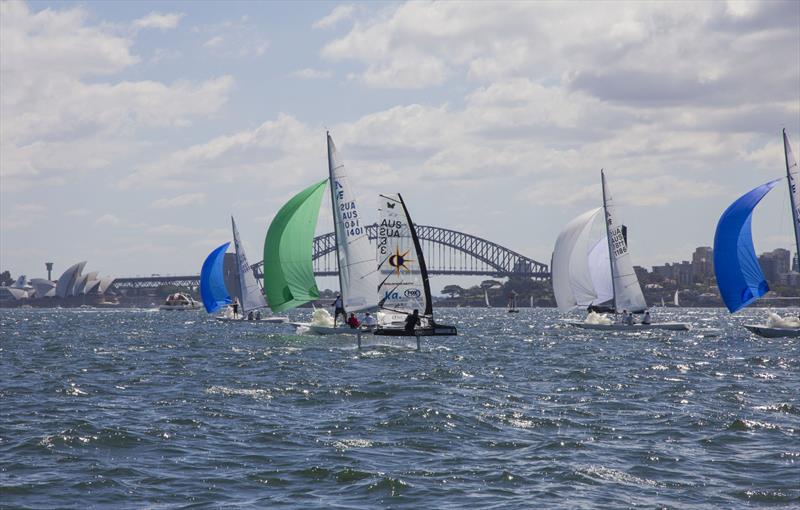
[{"x": 702, "y": 263}]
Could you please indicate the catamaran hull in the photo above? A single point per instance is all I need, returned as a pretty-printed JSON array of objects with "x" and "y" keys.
[
  {"x": 669, "y": 326},
  {"x": 437, "y": 330},
  {"x": 768, "y": 332}
]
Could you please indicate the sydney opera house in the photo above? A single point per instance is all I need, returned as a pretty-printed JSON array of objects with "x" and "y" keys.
[{"x": 73, "y": 288}]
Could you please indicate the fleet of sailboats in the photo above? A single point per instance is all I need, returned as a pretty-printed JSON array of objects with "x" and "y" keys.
[{"x": 591, "y": 265}]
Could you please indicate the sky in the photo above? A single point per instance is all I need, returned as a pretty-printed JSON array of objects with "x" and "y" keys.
[{"x": 131, "y": 131}]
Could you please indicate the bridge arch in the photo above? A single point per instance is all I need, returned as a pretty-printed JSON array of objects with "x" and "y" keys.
[{"x": 447, "y": 252}]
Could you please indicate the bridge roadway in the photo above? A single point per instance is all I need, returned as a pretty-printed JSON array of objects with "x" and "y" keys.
[{"x": 447, "y": 252}]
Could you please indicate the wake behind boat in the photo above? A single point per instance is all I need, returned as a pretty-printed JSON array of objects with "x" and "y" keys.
[{"x": 592, "y": 268}]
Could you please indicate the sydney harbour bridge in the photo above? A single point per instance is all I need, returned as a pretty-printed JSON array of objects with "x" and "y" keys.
[{"x": 446, "y": 251}]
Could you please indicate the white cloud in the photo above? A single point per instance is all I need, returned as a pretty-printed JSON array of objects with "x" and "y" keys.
[
  {"x": 312, "y": 74},
  {"x": 174, "y": 230},
  {"x": 159, "y": 20},
  {"x": 338, "y": 14},
  {"x": 58, "y": 118},
  {"x": 109, "y": 220},
  {"x": 184, "y": 200},
  {"x": 237, "y": 38}
]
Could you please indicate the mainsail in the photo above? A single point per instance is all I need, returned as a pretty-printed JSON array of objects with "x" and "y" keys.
[
  {"x": 739, "y": 276},
  {"x": 794, "y": 190},
  {"x": 357, "y": 275},
  {"x": 403, "y": 282},
  {"x": 627, "y": 292},
  {"x": 288, "y": 270},
  {"x": 252, "y": 297},
  {"x": 580, "y": 269},
  {"x": 212, "y": 281}
]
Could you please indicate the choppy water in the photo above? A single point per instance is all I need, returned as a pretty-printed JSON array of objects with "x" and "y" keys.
[{"x": 142, "y": 409}]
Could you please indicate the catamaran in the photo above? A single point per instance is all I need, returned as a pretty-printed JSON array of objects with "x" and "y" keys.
[
  {"x": 289, "y": 276},
  {"x": 216, "y": 295},
  {"x": 739, "y": 276},
  {"x": 404, "y": 286},
  {"x": 592, "y": 268}
]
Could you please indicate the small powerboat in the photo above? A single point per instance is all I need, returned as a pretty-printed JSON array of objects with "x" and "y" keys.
[{"x": 179, "y": 302}]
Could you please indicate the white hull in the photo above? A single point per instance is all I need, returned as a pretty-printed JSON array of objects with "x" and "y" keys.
[
  {"x": 670, "y": 326},
  {"x": 326, "y": 330},
  {"x": 263, "y": 320},
  {"x": 767, "y": 332}
]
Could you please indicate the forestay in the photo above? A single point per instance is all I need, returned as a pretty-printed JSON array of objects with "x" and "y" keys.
[
  {"x": 252, "y": 297},
  {"x": 357, "y": 274},
  {"x": 401, "y": 286},
  {"x": 739, "y": 276},
  {"x": 212, "y": 282},
  {"x": 581, "y": 273},
  {"x": 627, "y": 291}
]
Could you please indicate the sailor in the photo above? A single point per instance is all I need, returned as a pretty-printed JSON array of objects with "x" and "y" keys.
[
  {"x": 258, "y": 315},
  {"x": 412, "y": 320},
  {"x": 353, "y": 321},
  {"x": 646, "y": 318},
  {"x": 625, "y": 316},
  {"x": 338, "y": 309},
  {"x": 369, "y": 321},
  {"x": 235, "y": 307},
  {"x": 250, "y": 315}
]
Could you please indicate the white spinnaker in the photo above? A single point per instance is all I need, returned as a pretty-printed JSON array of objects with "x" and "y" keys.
[
  {"x": 581, "y": 274},
  {"x": 357, "y": 275},
  {"x": 400, "y": 285},
  {"x": 252, "y": 297},
  {"x": 627, "y": 291},
  {"x": 793, "y": 174}
]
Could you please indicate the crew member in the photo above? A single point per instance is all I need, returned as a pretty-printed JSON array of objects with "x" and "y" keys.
[
  {"x": 353, "y": 321},
  {"x": 369, "y": 321},
  {"x": 338, "y": 309},
  {"x": 646, "y": 318},
  {"x": 412, "y": 320},
  {"x": 235, "y": 307}
]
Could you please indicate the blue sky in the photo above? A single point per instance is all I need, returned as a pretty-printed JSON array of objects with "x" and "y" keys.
[{"x": 130, "y": 131}]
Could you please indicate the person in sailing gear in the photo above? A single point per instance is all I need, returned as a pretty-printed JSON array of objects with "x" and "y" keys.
[
  {"x": 369, "y": 321},
  {"x": 412, "y": 320},
  {"x": 235, "y": 307},
  {"x": 250, "y": 315},
  {"x": 353, "y": 321},
  {"x": 646, "y": 318},
  {"x": 258, "y": 315},
  {"x": 338, "y": 309}
]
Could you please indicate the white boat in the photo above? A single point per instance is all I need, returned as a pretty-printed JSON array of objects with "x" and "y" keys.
[
  {"x": 180, "y": 302},
  {"x": 592, "y": 268},
  {"x": 670, "y": 326},
  {"x": 739, "y": 276}
]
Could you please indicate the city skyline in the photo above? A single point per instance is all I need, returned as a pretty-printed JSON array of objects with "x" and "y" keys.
[{"x": 169, "y": 117}]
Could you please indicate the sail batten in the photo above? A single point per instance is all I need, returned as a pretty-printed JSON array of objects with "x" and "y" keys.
[
  {"x": 212, "y": 282},
  {"x": 739, "y": 275},
  {"x": 288, "y": 269}
]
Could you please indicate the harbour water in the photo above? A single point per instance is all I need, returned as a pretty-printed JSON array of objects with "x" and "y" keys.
[{"x": 132, "y": 409}]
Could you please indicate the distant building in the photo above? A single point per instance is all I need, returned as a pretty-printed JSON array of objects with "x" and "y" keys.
[
  {"x": 702, "y": 264},
  {"x": 775, "y": 263}
]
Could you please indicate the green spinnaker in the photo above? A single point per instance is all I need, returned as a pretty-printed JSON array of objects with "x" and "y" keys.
[{"x": 288, "y": 270}]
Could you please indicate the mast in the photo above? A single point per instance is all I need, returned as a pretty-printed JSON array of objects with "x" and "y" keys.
[
  {"x": 787, "y": 150},
  {"x": 608, "y": 238},
  {"x": 334, "y": 212},
  {"x": 423, "y": 269}
]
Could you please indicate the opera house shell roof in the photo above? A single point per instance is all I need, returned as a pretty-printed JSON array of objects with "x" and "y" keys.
[{"x": 71, "y": 283}]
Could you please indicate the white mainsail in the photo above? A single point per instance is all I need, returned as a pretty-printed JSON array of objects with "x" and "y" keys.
[
  {"x": 357, "y": 275},
  {"x": 792, "y": 174},
  {"x": 676, "y": 300},
  {"x": 627, "y": 291},
  {"x": 252, "y": 297},
  {"x": 401, "y": 288},
  {"x": 486, "y": 297},
  {"x": 580, "y": 267}
]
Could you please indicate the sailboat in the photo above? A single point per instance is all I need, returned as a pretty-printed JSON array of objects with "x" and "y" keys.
[
  {"x": 592, "y": 268},
  {"x": 675, "y": 299},
  {"x": 215, "y": 293},
  {"x": 403, "y": 285},
  {"x": 289, "y": 276},
  {"x": 739, "y": 276},
  {"x": 512, "y": 303},
  {"x": 486, "y": 297}
]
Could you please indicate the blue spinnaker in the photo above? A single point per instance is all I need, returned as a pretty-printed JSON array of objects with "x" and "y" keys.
[
  {"x": 212, "y": 281},
  {"x": 739, "y": 277}
]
